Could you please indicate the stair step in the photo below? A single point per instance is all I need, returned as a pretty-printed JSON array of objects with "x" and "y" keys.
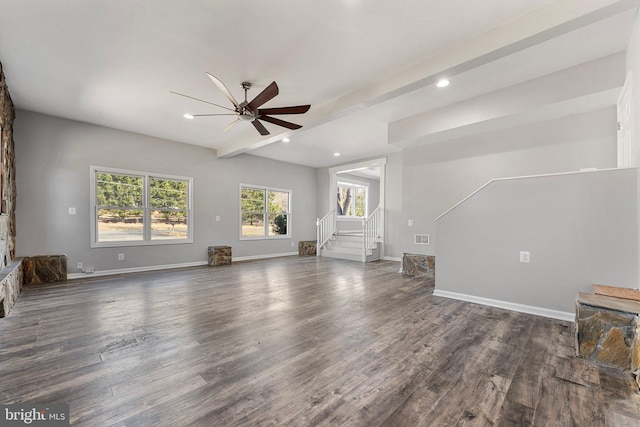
[{"x": 344, "y": 250}]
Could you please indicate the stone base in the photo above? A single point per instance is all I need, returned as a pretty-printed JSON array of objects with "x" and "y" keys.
[
  {"x": 608, "y": 332},
  {"x": 11, "y": 279},
  {"x": 45, "y": 269},
  {"x": 219, "y": 255},
  {"x": 307, "y": 247},
  {"x": 419, "y": 265}
]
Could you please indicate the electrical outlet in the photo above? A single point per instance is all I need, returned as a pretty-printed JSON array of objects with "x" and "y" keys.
[
  {"x": 72, "y": 211},
  {"x": 217, "y": 218},
  {"x": 120, "y": 257},
  {"x": 292, "y": 244},
  {"x": 79, "y": 266},
  {"x": 525, "y": 256},
  {"x": 410, "y": 223}
]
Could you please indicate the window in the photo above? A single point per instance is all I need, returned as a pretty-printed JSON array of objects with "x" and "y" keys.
[
  {"x": 265, "y": 212},
  {"x": 352, "y": 200},
  {"x": 138, "y": 208}
]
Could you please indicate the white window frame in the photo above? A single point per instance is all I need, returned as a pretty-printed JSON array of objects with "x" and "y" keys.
[
  {"x": 266, "y": 212},
  {"x": 354, "y": 183},
  {"x": 146, "y": 208}
]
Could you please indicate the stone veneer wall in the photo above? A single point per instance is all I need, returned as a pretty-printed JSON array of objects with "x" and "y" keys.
[{"x": 10, "y": 268}]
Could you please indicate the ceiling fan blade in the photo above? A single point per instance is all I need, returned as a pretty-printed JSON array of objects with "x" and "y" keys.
[
  {"x": 268, "y": 93},
  {"x": 208, "y": 115},
  {"x": 298, "y": 109},
  {"x": 260, "y": 127},
  {"x": 224, "y": 90},
  {"x": 201, "y": 100},
  {"x": 279, "y": 122},
  {"x": 232, "y": 124}
]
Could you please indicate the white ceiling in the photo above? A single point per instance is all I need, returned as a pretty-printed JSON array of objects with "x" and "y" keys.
[{"x": 113, "y": 62}]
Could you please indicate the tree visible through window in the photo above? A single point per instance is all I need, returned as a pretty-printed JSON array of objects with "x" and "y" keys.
[
  {"x": 265, "y": 212},
  {"x": 140, "y": 208},
  {"x": 352, "y": 200}
]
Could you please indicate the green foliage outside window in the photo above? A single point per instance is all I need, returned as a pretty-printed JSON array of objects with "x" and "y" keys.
[{"x": 259, "y": 205}]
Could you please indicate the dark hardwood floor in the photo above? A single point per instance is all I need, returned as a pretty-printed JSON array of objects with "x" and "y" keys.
[{"x": 296, "y": 341}]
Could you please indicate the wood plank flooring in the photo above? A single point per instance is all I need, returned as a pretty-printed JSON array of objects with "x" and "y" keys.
[{"x": 296, "y": 341}]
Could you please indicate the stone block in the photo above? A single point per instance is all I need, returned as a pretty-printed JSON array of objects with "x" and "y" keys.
[
  {"x": 219, "y": 255},
  {"x": 419, "y": 265},
  {"x": 45, "y": 269},
  {"x": 608, "y": 332},
  {"x": 307, "y": 247}
]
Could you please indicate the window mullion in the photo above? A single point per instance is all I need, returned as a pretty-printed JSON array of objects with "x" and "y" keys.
[
  {"x": 146, "y": 216},
  {"x": 265, "y": 208}
]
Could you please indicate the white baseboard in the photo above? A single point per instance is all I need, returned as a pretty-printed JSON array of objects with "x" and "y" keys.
[
  {"x": 521, "y": 308},
  {"x": 253, "y": 257},
  {"x": 134, "y": 270},
  {"x": 392, "y": 258},
  {"x": 167, "y": 266}
]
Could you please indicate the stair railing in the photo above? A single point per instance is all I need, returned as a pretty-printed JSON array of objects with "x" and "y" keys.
[
  {"x": 325, "y": 229},
  {"x": 371, "y": 230}
]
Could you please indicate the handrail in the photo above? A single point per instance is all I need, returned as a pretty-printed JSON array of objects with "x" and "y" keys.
[
  {"x": 371, "y": 230},
  {"x": 526, "y": 177},
  {"x": 325, "y": 229}
]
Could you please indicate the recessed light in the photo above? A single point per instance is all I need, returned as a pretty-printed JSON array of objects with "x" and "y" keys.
[
  {"x": 443, "y": 83},
  {"x": 188, "y": 116},
  {"x": 336, "y": 154},
  {"x": 285, "y": 140}
]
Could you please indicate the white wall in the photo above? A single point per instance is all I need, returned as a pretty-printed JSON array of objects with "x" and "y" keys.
[
  {"x": 633, "y": 64},
  {"x": 53, "y": 157},
  {"x": 437, "y": 176},
  {"x": 580, "y": 229}
]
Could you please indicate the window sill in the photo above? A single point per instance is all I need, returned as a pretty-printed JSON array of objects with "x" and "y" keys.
[
  {"x": 266, "y": 237},
  {"x": 144, "y": 243}
]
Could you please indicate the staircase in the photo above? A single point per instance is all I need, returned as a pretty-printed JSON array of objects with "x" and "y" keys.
[{"x": 362, "y": 246}]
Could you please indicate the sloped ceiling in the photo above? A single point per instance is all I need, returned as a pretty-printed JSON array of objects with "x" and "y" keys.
[{"x": 365, "y": 66}]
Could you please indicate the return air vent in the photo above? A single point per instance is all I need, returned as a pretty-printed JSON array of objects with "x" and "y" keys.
[{"x": 422, "y": 239}]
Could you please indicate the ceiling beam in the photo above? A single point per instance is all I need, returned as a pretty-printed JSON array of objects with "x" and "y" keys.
[
  {"x": 585, "y": 87},
  {"x": 543, "y": 24}
]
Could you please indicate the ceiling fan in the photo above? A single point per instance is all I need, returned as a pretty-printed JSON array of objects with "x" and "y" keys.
[{"x": 250, "y": 111}]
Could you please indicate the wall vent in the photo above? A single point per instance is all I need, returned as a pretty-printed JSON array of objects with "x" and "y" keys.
[{"x": 422, "y": 239}]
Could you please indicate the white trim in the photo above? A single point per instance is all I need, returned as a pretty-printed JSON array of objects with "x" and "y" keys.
[
  {"x": 392, "y": 258},
  {"x": 134, "y": 270},
  {"x": 360, "y": 165},
  {"x": 254, "y": 257},
  {"x": 526, "y": 177},
  {"x": 521, "y": 308},
  {"x": 73, "y": 276}
]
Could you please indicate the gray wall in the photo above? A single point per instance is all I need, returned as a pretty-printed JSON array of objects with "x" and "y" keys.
[
  {"x": 437, "y": 176},
  {"x": 53, "y": 157},
  {"x": 579, "y": 228},
  {"x": 393, "y": 205},
  {"x": 633, "y": 64}
]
